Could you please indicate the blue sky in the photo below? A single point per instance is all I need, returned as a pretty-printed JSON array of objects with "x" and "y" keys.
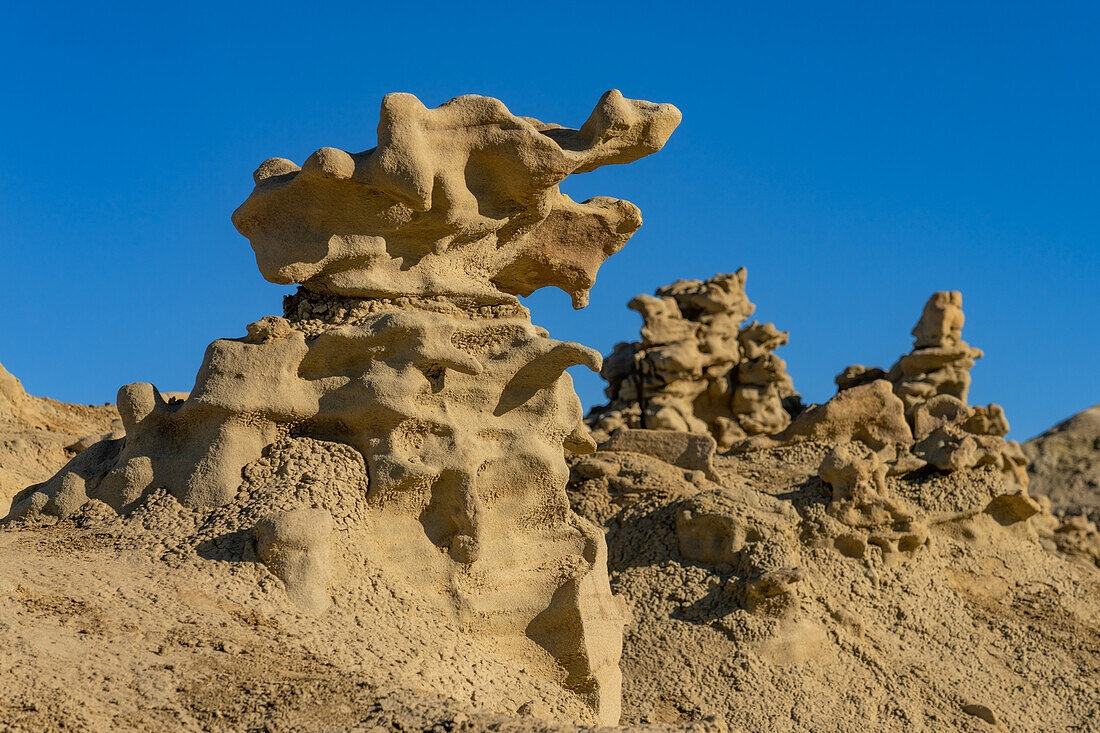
[{"x": 855, "y": 157}]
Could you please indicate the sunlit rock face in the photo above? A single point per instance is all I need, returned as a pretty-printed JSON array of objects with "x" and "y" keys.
[
  {"x": 462, "y": 199},
  {"x": 698, "y": 367},
  {"x": 407, "y": 344}
]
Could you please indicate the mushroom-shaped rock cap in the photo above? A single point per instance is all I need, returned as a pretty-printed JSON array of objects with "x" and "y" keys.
[{"x": 460, "y": 200}]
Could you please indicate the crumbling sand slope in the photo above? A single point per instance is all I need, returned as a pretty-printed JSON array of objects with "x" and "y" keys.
[
  {"x": 760, "y": 602},
  {"x": 1065, "y": 464},
  {"x": 39, "y": 435},
  {"x": 108, "y": 623}
]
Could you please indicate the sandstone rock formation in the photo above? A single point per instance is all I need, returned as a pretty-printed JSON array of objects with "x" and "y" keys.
[
  {"x": 932, "y": 382},
  {"x": 939, "y": 363},
  {"x": 459, "y": 201},
  {"x": 407, "y": 345},
  {"x": 362, "y": 517},
  {"x": 880, "y": 424},
  {"x": 877, "y": 531},
  {"x": 697, "y": 369},
  {"x": 1065, "y": 465},
  {"x": 870, "y": 413},
  {"x": 39, "y": 435}
]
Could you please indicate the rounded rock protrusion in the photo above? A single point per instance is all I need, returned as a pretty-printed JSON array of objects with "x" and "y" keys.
[
  {"x": 274, "y": 167},
  {"x": 30, "y": 505},
  {"x": 329, "y": 163},
  {"x": 268, "y": 328},
  {"x": 592, "y": 468},
  {"x": 984, "y": 712},
  {"x": 127, "y": 482},
  {"x": 296, "y": 547},
  {"x": 135, "y": 403},
  {"x": 69, "y": 498}
]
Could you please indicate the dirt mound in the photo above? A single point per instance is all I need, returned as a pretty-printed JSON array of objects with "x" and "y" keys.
[{"x": 39, "y": 435}]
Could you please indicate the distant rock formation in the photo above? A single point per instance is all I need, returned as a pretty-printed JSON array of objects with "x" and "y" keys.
[
  {"x": 932, "y": 382},
  {"x": 696, "y": 368},
  {"x": 880, "y": 435},
  {"x": 39, "y": 435},
  {"x": 939, "y": 363},
  {"x": 407, "y": 344},
  {"x": 1065, "y": 465}
]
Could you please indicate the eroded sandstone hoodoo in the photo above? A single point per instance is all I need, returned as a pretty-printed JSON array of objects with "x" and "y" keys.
[
  {"x": 752, "y": 569},
  {"x": 939, "y": 363},
  {"x": 461, "y": 200},
  {"x": 696, "y": 368},
  {"x": 407, "y": 344},
  {"x": 879, "y": 438},
  {"x": 932, "y": 382}
]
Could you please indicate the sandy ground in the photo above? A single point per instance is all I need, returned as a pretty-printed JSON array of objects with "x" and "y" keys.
[{"x": 117, "y": 623}]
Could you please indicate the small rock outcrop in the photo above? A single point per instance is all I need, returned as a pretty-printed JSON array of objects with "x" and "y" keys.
[
  {"x": 870, "y": 413},
  {"x": 932, "y": 382},
  {"x": 406, "y": 343},
  {"x": 697, "y": 368},
  {"x": 939, "y": 363}
]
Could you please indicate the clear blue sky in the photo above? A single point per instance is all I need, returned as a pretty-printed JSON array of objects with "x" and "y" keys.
[{"x": 855, "y": 157}]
